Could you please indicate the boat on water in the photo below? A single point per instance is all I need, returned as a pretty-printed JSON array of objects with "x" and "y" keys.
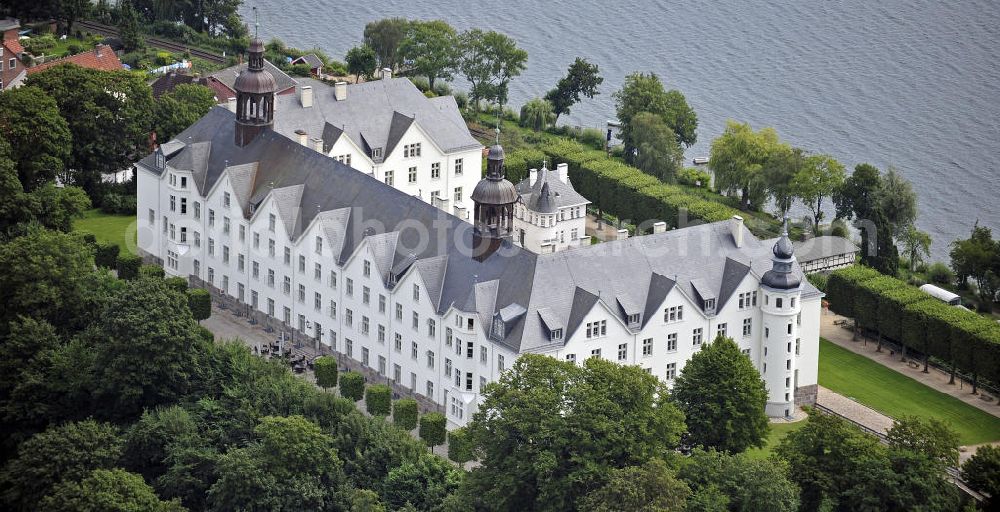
[{"x": 700, "y": 160}]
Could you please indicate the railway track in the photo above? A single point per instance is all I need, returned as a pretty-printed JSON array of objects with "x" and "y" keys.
[{"x": 100, "y": 28}]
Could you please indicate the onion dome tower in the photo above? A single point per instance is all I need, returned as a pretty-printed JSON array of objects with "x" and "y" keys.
[
  {"x": 494, "y": 198},
  {"x": 255, "y": 88},
  {"x": 782, "y": 289}
]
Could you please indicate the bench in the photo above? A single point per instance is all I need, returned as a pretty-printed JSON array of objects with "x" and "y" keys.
[{"x": 913, "y": 364}]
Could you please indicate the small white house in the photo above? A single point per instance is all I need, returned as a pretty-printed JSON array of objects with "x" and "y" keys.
[{"x": 552, "y": 215}]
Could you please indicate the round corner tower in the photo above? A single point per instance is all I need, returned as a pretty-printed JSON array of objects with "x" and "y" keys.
[{"x": 782, "y": 290}]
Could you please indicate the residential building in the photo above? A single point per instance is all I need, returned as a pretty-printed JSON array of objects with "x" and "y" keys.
[
  {"x": 12, "y": 70},
  {"x": 388, "y": 129},
  {"x": 101, "y": 57},
  {"x": 440, "y": 307},
  {"x": 825, "y": 253},
  {"x": 223, "y": 82},
  {"x": 552, "y": 215},
  {"x": 313, "y": 61}
]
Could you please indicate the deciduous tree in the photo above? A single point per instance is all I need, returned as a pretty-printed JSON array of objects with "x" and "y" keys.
[
  {"x": 431, "y": 49},
  {"x": 385, "y": 37},
  {"x": 549, "y": 431},
  {"x": 537, "y": 114},
  {"x": 404, "y": 413},
  {"x": 378, "y": 399},
  {"x": 39, "y": 137},
  {"x": 738, "y": 157},
  {"x": 645, "y": 93},
  {"x": 820, "y": 177},
  {"x": 325, "y": 368},
  {"x": 751, "y": 485},
  {"x": 433, "y": 429},
  {"x": 424, "y": 483},
  {"x": 722, "y": 397},
  {"x": 977, "y": 258},
  {"x": 361, "y": 61},
  {"x": 67, "y": 452},
  {"x": 656, "y": 151},
  {"x": 180, "y": 108},
  {"x": 582, "y": 79},
  {"x": 651, "y": 487},
  {"x": 916, "y": 245},
  {"x": 982, "y": 472},
  {"x": 109, "y": 490},
  {"x": 490, "y": 60},
  {"x": 352, "y": 385}
]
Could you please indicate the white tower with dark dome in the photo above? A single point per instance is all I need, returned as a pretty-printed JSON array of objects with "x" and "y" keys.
[{"x": 782, "y": 290}]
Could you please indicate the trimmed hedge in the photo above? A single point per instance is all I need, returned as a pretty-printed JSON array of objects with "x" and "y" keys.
[
  {"x": 106, "y": 255},
  {"x": 404, "y": 413},
  {"x": 459, "y": 446},
  {"x": 352, "y": 385},
  {"x": 200, "y": 303},
  {"x": 325, "y": 368},
  {"x": 378, "y": 399},
  {"x": 628, "y": 192},
  {"x": 128, "y": 266},
  {"x": 896, "y": 310},
  {"x": 433, "y": 429}
]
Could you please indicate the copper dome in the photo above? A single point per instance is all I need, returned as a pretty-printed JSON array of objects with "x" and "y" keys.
[
  {"x": 255, "y": 82},
  {"x": 495, "y": 191}
]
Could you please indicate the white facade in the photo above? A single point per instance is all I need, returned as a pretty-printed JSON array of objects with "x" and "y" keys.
[
  {"x": 395, "y": 330},
  {"x": 564, "y": 223}
]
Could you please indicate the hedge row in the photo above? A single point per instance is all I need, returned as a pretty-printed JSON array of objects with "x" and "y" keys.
[
  {"x": 624, "y": 190},
  {"x": 896, "y": 310}
]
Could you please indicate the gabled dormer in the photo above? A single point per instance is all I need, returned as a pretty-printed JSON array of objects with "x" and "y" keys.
[
  {"x": 708, "y": 299},
  {"x": 504, "y": 320},
  {"x": 630, "y": 311}
]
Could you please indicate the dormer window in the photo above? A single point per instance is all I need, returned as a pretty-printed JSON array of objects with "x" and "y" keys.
[
  {"x": 377, "y": 153},
  {"x": 633, "y": 319},
  {"x": 497, "y": 328},
  {"x": 556, "y": 334},
  {"x": 710, "y": 306},
  {"x": 161, "y": 159}
]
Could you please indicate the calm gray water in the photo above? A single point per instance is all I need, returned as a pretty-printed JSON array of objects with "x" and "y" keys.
[{"x": 910, "y": 83}]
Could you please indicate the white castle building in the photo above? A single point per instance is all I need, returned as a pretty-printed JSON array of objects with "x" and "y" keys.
[{"x": 437, "y": 306}]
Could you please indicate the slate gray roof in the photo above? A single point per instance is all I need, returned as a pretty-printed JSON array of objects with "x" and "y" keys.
[
  {"x": 535, "y": 293},
  {"x": 228, "y": 76},
  {"x": 823, "y": 247},
  {"x": 549, "y": 193},
  {"x": 311, "y": 59},
  {"x": 8, "y": 23},
  {"x": 375, "y": 114}
]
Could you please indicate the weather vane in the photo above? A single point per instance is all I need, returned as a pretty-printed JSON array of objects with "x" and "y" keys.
[{"x": 256, "y": 22}]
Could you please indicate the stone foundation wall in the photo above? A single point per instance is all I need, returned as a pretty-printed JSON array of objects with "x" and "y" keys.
[{"x": 806, "y": 395}]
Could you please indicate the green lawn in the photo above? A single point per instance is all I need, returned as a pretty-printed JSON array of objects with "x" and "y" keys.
[
  {"x": 778, "y": 432},
  {"x": 896, "y": 395},
  {"x": 119, "y": 229}
]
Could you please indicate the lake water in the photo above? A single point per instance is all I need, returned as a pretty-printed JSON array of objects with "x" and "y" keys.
[{"x": 913, "y": 84}]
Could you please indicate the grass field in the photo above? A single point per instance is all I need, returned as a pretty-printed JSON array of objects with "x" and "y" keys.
[
  {"x": 119, "y": 229},
  {"x": 778, "y": 432},
  {"x": 896, "y": 395}
]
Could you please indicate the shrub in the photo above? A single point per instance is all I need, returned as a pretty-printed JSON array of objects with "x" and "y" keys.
[
  {"x": 404, "y": 413},
  {"x": 206, "y": 335},
  {"x": 433, "y": 429},
  {"x": 106, "y": 255},
  {"x": 177, "y": 283},
  {"x": 39, "y": 44},
  {"x": 151, "y": 271},
  {"x": 818, "y": 280},
  {"x": 163, "y": 58},
  {"x": 299, "y": 70},
  {"x": 694, "y": 177},
  {"x": 429, "y": 94},
  {"x": 335, "y": 67},
  {"x": 441, "y": 88},
  {"x": 459, "y": 446},
  {"x": 592, "y": 137},
  {"x": 939, "y": 273},
  {"x": 326, "y": 371},
  {"x": 128, "y": 266},
  {"x": 200, "y": 303},
  {"x": 88, "y": 238},
  {"x": 421, "y": 83},
  {"x": 111, "y": 203},
  {"x": 352, "y": 385},
  {"x": 378, "y": 399},
  {"x": 462, "y": 99}
]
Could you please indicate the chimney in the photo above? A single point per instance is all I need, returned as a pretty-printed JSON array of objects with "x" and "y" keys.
[
  {"x": 622, "y": 234},
  {"x": 736, "y": 226},
  {"x": 659, "y": 227},
  {"x": 460, "y": 212},
  {"x": 340, "y": 91},
  {"x": 97, "y": 50},
  {"x": 306, "y": 96},
  {"x": 303, "y": 137},
  {"x": 231, "y": 104},
  {"x": 532, "y": 176},
  {"x": 563, "y": 171},
  {"x": 386, "y": 73},
  {"x": 317, "y": 144}
]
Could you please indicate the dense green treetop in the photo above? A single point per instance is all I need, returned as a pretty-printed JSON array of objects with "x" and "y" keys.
[
  {"x": 582, "y": 79},
  {"x": 490, "y": 60},
  {"x": 180, "y": 108},
  {"x": 644, "y": 92},
  {"x": 38, "y": 136},
  {"x": 385, "y": 37},
  {"x": 106, "y": 490},
  {"x": 738, "y": 157},
  {"x": 361, "y": 61},
  {"x": 651, "y": 487},
  {"x": 722, "y": 397},
  {"x": 431, "y": 49},
  {"x": 548, "y": 430},
  {"x": 751, "y": 485},
  {"x": 656, "y": 151}
]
